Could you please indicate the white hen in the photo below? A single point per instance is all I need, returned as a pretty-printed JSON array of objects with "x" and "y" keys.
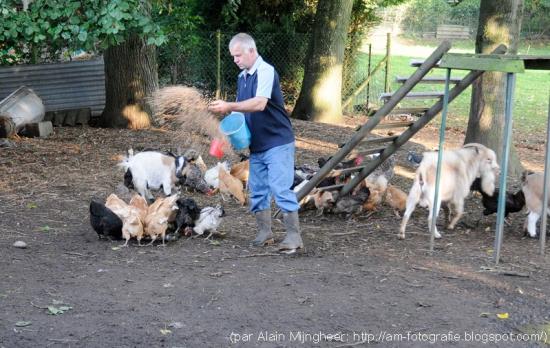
[
  {"x": 209, "y": 220},
  {"x": 212, "y": 175}
]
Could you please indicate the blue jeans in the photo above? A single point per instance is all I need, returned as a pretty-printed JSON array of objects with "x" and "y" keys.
[{"x": 272, "y": 173}]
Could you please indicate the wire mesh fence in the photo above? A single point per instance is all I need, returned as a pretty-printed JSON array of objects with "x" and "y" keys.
[{"x": 210, "y": 68}]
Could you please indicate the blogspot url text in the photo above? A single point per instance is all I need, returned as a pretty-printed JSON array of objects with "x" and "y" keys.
[{"x": 305, "y": 337}]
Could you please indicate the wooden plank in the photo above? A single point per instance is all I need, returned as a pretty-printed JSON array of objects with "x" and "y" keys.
[
  {"x": 338, "y": 172},
  {"x": 429, "y": 79},
  {"x": 483, "y": 62},
  {"x": 536, "y": 62},
  {"x": 415, "y": 95},
  {"x": 419, "y": 62},
  {"x": 332, "y": 187},
  {"x": 411, "y": 111},
  {"x": 371, "y": 151},
  {"x": 389, "y": 125},
  {"x": 373, "y": 141}
]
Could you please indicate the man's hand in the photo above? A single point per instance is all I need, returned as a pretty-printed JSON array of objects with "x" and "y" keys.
[{"x": 219, "y": 107}]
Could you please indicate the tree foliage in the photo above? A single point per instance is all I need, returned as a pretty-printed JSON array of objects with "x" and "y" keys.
[{"x": 50, "y": 27}]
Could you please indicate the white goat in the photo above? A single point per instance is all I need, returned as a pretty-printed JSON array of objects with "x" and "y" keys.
[
  {"x": 151, "y": 170},
  {"x": 460, "y": 168},
  {"x": 532, "y": 186}
]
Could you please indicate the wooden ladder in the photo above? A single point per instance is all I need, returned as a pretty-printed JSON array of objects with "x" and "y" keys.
[{"x": 387, "y": 146}]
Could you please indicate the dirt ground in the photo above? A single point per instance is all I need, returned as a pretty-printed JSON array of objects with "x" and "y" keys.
[{"x": 355, "y": 284}]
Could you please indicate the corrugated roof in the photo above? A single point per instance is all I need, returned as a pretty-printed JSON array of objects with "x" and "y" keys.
[{"x": 67, "y": 85}]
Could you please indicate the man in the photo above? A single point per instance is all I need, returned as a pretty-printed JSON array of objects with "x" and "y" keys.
[{"x": 272, "y": 147}]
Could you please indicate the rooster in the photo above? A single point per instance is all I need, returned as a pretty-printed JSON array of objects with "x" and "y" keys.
[{"x": 209, "y": 220}]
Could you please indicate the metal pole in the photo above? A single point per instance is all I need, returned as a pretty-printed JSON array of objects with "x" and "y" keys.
[
  {"x": 368, "y": 75},
  {"x": 510, "y": 84},
  {"x": 435, "y": 208},
  {"x": 218, "y": 64},
  {"x": 542, "y": 234},
  {"x": 388, "y": 53}
]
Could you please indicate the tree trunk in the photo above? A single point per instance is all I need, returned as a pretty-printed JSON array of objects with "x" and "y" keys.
[
  {"x": 130, "y": 76},
  {"x": 499, "y": 23},
  {"x": 320, "y": 98}
]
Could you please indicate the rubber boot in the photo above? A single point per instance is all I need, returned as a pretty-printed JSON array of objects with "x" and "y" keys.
[
  {"x": 292, "y": 240},
  {"x": 264, "y": 235}
]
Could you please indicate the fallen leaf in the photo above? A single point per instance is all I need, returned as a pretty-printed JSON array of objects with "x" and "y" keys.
[
  {"x": 23, "y": 323},
  {"x": 502, "y": 315},
  {"x": 520, "y": 290},
  {"x": 44, "y": 228},
  {"x": 215, "y": 243},
  {"x": 31, "y": 205},
  {"x": 490, "y": 251},
  {"x": 115, "y": 248},
  {"x": 54, "y": 310},
  {"x": 165, "y": 331}
]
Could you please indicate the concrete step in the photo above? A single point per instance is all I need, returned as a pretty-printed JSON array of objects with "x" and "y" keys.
[{"x": 38, "y": 129}]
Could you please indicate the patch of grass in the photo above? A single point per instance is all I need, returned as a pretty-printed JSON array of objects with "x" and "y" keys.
[{"x": 531, "y": 95}]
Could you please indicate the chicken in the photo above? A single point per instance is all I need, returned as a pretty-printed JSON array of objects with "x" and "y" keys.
[
  {"x": 353, "y": 162},
  {"x": 211, "y": 176},
  {"x": 209, "y": 220},
  {"x": 191, "y": 176},
  {"x": 159, "y": 214},
  {"x": 140, "y": 204},
  {"x": 324, "y": 200},
  {"x": 397, "y": 199},
  {"x": 241, "y": 170},
  {"x": 386, "y": 169},
  {"x": 353, "y": 204},
  {"x": 230, "y": 184},
  {"x": 188, "y": 213},
  {"x": 193, "y": 156},
  {"x": 132, "y": 225},
  {"x": 104, "y": 221},
  {"x": 377, "y": 189},
  {"x": 514, "y": 202}
]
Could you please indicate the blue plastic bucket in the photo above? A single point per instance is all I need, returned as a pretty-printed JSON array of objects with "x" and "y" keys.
[{"x": 234, "y": 126}]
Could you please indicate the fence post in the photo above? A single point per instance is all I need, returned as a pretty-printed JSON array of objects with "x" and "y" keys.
[
  {"x": 388, "y": 53},
  {"x": 218, "y": 63},
  {"x": 367, "y": 106}
]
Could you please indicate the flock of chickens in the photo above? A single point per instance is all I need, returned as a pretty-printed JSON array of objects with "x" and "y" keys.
[
  {"x": 374, "y": 190},
  {"x": 170, "y": 217}
]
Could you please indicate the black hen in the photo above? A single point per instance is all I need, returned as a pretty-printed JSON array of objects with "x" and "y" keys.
[
  {"x": 188, "y": 213},
  {"x": 514, "y": 201},
  {"x": 104, "y": 221}
]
